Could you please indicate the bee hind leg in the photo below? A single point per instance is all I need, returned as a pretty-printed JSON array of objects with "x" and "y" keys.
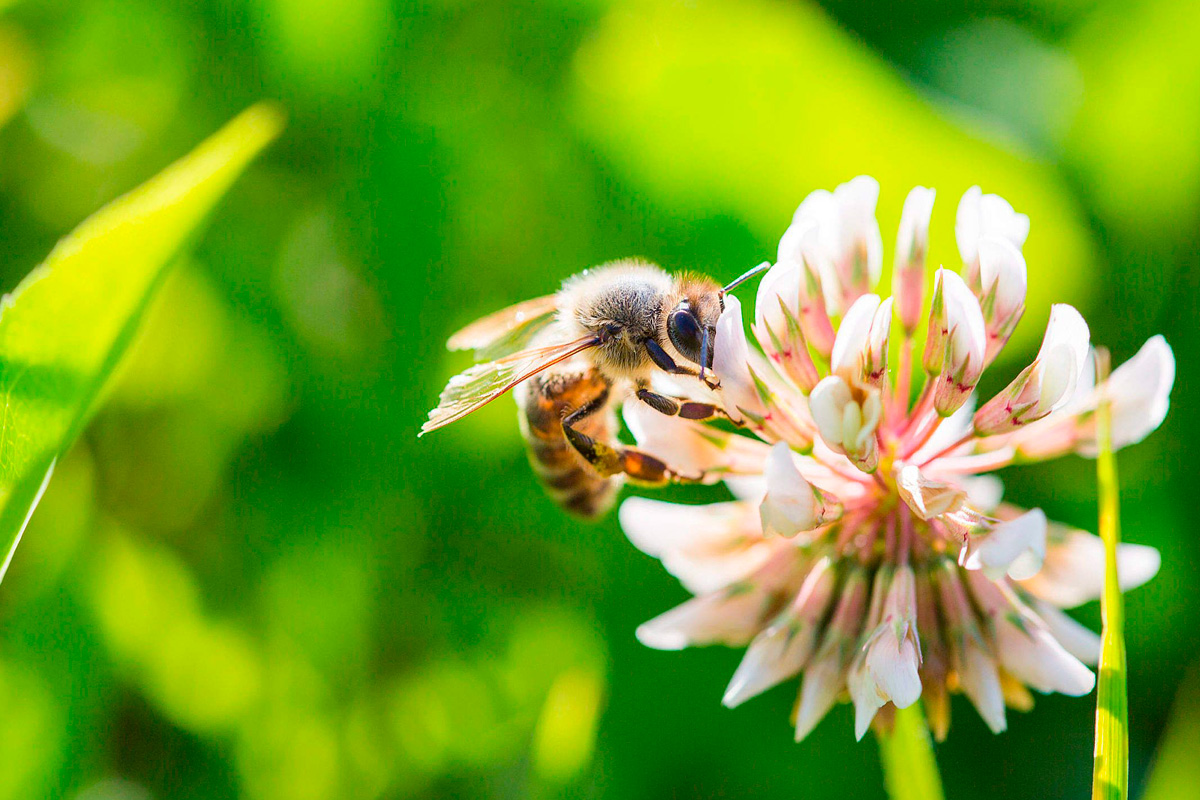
[{"x": 609, "y": 460}]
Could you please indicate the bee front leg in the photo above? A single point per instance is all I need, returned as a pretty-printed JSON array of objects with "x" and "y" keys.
[
  {"x": 667, "y": 364},
  {"x": 609, "y": 460}
]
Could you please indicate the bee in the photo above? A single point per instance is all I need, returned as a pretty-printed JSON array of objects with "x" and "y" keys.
[{"x": 576, "y": 355}]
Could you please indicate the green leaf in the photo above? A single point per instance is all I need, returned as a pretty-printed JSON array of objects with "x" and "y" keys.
[
  {"x": 910, "y": 771},
  {"x": 1110, "y": 776},
  {"x": 64, "y": 329}
]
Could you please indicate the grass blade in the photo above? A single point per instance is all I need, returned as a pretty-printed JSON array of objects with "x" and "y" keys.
[
  {"x": 1110, "y": 776},
  {"x": 65, "y": 327},
  {"x": 910, "y": 771}
]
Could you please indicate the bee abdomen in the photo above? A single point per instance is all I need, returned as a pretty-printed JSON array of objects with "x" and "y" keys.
[{"x": 567, "y": 477}]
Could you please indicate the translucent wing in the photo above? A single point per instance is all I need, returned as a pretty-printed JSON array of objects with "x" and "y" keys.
[
  {"x": 507, "y": 331},
  {"x": 483, "y": 383}
]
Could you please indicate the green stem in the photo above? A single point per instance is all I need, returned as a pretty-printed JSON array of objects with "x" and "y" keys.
[
  {"x": 910, "y": 771},
  {"x": 1110, "y": 777}
]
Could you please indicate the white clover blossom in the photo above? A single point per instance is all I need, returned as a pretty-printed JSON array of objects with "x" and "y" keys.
[
  {"x": 867, "y": 551},
  {"x": 985, "y": 215}
]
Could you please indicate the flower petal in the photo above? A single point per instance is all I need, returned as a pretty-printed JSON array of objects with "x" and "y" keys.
[
  {"x": 912, "y": 243},
  {"x": 865, "y": 694},
  {"x": 1140, "y": 391},
  {"x": 860, "y": 251},
  {"x": 818, "y": 692},
  {"x": 1076, "y": 639},
  {"x": 844, "y": 425},
  {"x": 1003, "y": 285},
  {"x": 893, "y": 655},
  {"x": 826, "y": 676},
  {"x": 732, "y": 615},
  {"x": 925, "y": 497},
  {"x": 1073, "y": 572},
  {"x": 1034, "y": 656},
  {"x": 792, "y": 504},
  {"x": 1025, "y": 646},
  {"x": 731, "y": 355},
  {"x": 706, "y": 547},
  {"x": 965, "y": 344},
  {"x": 1067, "y": 332},
  {"x": 1016, "y": 547},
  {"x": 781, "y": 284},
  {"x": 968, "y": 225},
  {"x": 1002, "y": 269},
  {"x": 853, "y": 337},
  {"x": 984, "y": 492},
  {"x": 825, "y": 403},
  {"x": 982, "y": 214},
  {"x": 850, "y": 256},
  {"x": 781, "y": 649},
  {"x": 967, "y": 332},
  {"x": 981, "y": 684},
  {"x": 894, "y": 664}
]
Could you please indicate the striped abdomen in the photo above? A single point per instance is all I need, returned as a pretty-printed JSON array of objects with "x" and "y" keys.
[{"x": 543, "y": 401}]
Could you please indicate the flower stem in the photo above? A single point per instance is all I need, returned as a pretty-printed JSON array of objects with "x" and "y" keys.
[
  {"x": 910, "y": 771},
  {"x": 1110, "y": 776}
]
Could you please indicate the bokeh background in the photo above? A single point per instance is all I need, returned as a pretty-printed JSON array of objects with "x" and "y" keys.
[{"x": 250, "y": 579}]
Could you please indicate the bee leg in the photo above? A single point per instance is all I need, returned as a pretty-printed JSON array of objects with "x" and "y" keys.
[
  {"x": 609, "y": 460},
  {"x": 604, "y": 459},
  {"x": 682, "y": 407},
  {"x": 663, "y": 361}
]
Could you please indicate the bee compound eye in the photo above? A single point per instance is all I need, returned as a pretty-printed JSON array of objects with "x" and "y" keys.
[{"x": 686, "y": 334}]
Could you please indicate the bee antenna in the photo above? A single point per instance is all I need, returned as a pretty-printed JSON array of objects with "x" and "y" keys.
[
  {"x": 705, "y": 346},
  {"x": 747, "y": 275}
]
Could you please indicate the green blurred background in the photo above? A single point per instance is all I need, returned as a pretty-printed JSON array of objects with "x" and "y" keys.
[{"x": 250, "y": 579}]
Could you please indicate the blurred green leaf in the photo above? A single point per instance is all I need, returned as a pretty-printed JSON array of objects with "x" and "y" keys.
[
  {"x": 31, "y": 739},
  {"x": 1176, "y": 771},
  {"x": 1110, "y": 779},
  {"x": 1137, "y": 136},
  {"x": 565, "y": 735},
  {"x": 325, "y": 48},
  {"x": 64, "y": 329},
  {"x": 15, "y": 68}
]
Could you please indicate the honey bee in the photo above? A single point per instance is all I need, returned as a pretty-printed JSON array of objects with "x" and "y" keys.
[{"x": 575, "y": 355}]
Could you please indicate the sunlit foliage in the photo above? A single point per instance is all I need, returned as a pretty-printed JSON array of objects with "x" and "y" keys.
[{"x": 248, "y": 578}]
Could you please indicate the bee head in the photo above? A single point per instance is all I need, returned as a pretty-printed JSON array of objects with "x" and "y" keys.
[
  {"x": 690, "y": 336},
  {"x": 692, "y": 323}
]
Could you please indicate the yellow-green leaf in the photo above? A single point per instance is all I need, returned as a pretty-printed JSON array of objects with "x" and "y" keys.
[{"x": 65, "y": 327}]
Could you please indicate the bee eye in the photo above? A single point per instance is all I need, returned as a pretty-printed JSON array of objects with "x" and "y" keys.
[{"x": 686, "y": 334}]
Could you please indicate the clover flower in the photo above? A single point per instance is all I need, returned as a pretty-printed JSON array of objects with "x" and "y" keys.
[{"x": 868, "y": 551}]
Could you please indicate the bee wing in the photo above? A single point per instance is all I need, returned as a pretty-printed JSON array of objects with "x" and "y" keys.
[
  {"x": 483, "y": 383},
  {"x": 506, "y": 331}
]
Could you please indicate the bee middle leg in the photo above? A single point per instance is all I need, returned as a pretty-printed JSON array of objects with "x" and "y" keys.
[
  {"x": 682, "y": 407},
  {"x": 609, "y": 460}
]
